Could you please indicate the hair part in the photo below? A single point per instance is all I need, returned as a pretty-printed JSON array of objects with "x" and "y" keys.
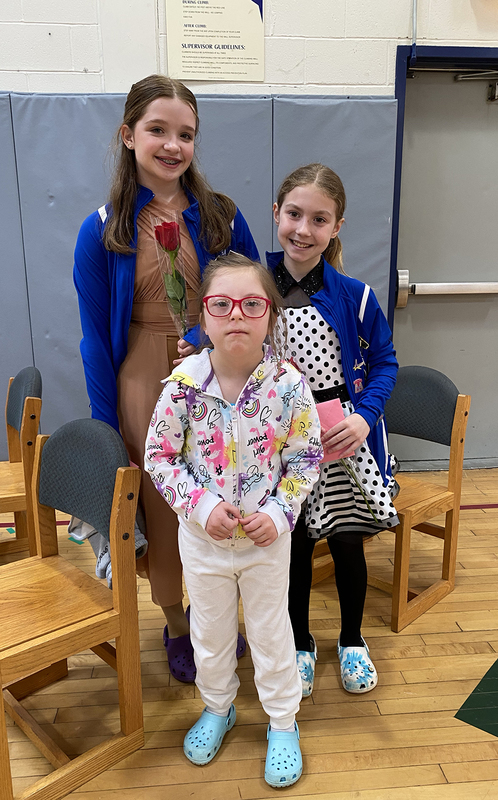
[
  {"x": 277, "y": 331},
  {"x": 328, "y": 182},
  {"x": 216, "y": 210}
]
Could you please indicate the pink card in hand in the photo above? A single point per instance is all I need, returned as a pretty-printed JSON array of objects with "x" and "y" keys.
[{"x": 330, "y": 413}]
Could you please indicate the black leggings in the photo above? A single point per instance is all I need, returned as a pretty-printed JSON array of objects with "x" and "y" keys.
[{"x": 350, "y": 578}]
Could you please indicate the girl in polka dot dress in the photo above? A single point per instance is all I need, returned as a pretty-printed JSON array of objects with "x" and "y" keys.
[{"x": 340, "y": 340}]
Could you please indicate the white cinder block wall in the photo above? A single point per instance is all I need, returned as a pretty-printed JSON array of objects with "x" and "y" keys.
[{"x": 312, "y": 46}]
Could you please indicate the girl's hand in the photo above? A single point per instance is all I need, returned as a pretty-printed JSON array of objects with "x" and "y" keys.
[
  {"x": 260, "y": 528},
  {"x": 347, "y": 435},
  {"x": 222, "y": 520},
  {"x": 184, "y": 349}
]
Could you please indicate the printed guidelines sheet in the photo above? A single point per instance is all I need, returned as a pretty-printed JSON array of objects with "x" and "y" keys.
[{"x": 215, "y": 40}]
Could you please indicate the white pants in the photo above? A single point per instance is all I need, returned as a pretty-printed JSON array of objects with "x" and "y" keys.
[{"x": 214, "y": 577}]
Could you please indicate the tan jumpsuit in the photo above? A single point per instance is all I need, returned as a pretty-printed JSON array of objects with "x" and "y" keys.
[{"x": 152, "y": 346}]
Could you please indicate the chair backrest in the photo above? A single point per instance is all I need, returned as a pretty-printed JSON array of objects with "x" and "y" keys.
[
  {"x": 422, "y": 405},
  {"x": 27, "y": 383},
  {"x": 78, "y": 470}
]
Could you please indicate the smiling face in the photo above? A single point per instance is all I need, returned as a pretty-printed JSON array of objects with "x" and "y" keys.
[
  {"x": 236, "y": 336},
  {"x": 163, "y": 143},
  {"x": 307, "y": 221}
]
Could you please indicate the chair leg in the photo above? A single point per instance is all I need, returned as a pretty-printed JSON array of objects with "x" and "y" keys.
[
  {"x": 450, "y": 547},
  {"x": 20, "y": 541},
  {"x": 80, "y": 770},
  {"x": 125, "y": 601},
  {"x": 128, "y": 653},
  {"x": 38, "y": 680},
  {"x": 129, "y": 684},
  {"x": 21, "y": 524},
  {"x": 30, "y": 526},
  {"x": 405, "y": 608},
  {"x": 401, "y": 572},
  {"x": 6, "y": 792},
  {"x": 34, "y": 731}
]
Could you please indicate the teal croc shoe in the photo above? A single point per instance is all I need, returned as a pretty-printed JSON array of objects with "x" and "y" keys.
[
  {"x": 358, "y": 673},
  {"x": 204, "y": 739},
  {"x": 306, "y": 665},
  {"x": 284, "y": 763}
]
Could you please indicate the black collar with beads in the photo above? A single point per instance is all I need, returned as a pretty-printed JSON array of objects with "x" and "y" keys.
[{"x": 310, "y": 284}]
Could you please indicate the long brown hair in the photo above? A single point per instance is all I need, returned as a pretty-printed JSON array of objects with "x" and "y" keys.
[
  {"x": 331, "y": 185},
  {"x": 276, "y": 323},
  {"x": 216, "y": 210}
]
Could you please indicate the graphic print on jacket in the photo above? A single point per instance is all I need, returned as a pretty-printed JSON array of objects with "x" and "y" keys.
[{"x": 260, "y": 454}]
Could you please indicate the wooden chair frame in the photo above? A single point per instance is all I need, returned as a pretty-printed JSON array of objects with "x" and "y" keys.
[
  {"x": 16, "y": 475},
  {"x": 35, "y": 657},
  {"x": 418, "y": 502}
]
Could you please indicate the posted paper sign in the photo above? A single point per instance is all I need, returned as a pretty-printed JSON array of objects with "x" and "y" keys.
[{"x": 215, "y": 40}]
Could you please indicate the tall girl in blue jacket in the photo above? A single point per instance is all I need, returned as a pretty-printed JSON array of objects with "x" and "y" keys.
[
  {"x": 339, "y": 338},
  {"x": 129, "y": 338}
]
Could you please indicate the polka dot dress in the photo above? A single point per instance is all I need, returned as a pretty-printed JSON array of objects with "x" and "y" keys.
[{"x": 347, "y": 499}]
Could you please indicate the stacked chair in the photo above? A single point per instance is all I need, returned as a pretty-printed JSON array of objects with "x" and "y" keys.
[
  {"x": 52, "y": 610},
  {"x": 22, "y": 413}
]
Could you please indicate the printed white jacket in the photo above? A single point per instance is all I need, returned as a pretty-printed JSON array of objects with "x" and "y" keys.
[{"x": 260, "y": 454}]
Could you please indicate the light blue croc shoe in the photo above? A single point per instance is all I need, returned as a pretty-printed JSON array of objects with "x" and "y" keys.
[
  {"x": 204, "y": 739},
  {"x": 284, "y": 763},
  {"x": 306, "y": 665},
  {"x": 358, "y": 673}
]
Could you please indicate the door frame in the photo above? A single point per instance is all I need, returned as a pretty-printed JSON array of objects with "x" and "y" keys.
[{"x": 408, "y": 57}]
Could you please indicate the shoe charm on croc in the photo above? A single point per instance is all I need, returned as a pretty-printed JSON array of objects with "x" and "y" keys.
[
  {"x": 284, "y": 763},
  {"x": 358, "y": 673},
  {"x": 180, "y": 657},
  {"x": 204, "y": 739},
  {"x": 241, "y": 642},
  {"x": 306, "y": 661}
]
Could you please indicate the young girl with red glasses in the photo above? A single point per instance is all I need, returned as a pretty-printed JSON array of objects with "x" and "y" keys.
[{"x": 234, "y": 448}]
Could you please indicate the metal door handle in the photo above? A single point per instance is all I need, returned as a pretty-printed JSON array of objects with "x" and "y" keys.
[{"x": 405, "y": 288}]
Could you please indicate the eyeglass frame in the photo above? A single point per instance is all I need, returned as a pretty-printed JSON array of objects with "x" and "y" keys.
[{"x": 236, "y": 303}]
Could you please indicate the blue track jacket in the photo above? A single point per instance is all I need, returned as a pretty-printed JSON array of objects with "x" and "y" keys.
[
  {"x": 105, "y": 281},
  {"x": 368, "y": 357}
]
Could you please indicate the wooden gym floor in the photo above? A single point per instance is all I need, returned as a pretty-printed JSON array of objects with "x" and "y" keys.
[{"x": 399, "y": 742}]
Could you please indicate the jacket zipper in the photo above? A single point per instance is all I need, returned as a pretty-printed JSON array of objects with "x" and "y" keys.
[{"x": 235, "y": 493}]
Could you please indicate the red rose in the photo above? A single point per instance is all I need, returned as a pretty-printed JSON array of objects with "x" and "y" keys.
[{"x": 168, "y": 235}]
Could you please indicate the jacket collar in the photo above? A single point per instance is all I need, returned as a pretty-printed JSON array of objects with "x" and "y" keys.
[
  {"x": 311, "y": 283},
  {"x": 192, "y": 211},
  {"x": 196, "y": 370},
  {"x": 331, "y": 278},
  {"x": 146, "y": 195},
  {"x": 272, "y": 259}
]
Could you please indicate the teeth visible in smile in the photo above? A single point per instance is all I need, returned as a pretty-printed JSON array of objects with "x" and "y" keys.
[
  {"x": 171, "y": 161},
  {"x": 300, "y": 244}
]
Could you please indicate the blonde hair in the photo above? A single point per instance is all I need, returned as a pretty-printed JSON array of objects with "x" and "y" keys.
[
  {"x": 216, "y": 210},
  {"x": 276, "y": 324},
  {"x": 331, "y": 185}
]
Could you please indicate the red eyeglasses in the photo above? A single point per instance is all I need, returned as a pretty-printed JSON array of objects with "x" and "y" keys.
[{"x": 222, "y": 306}]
